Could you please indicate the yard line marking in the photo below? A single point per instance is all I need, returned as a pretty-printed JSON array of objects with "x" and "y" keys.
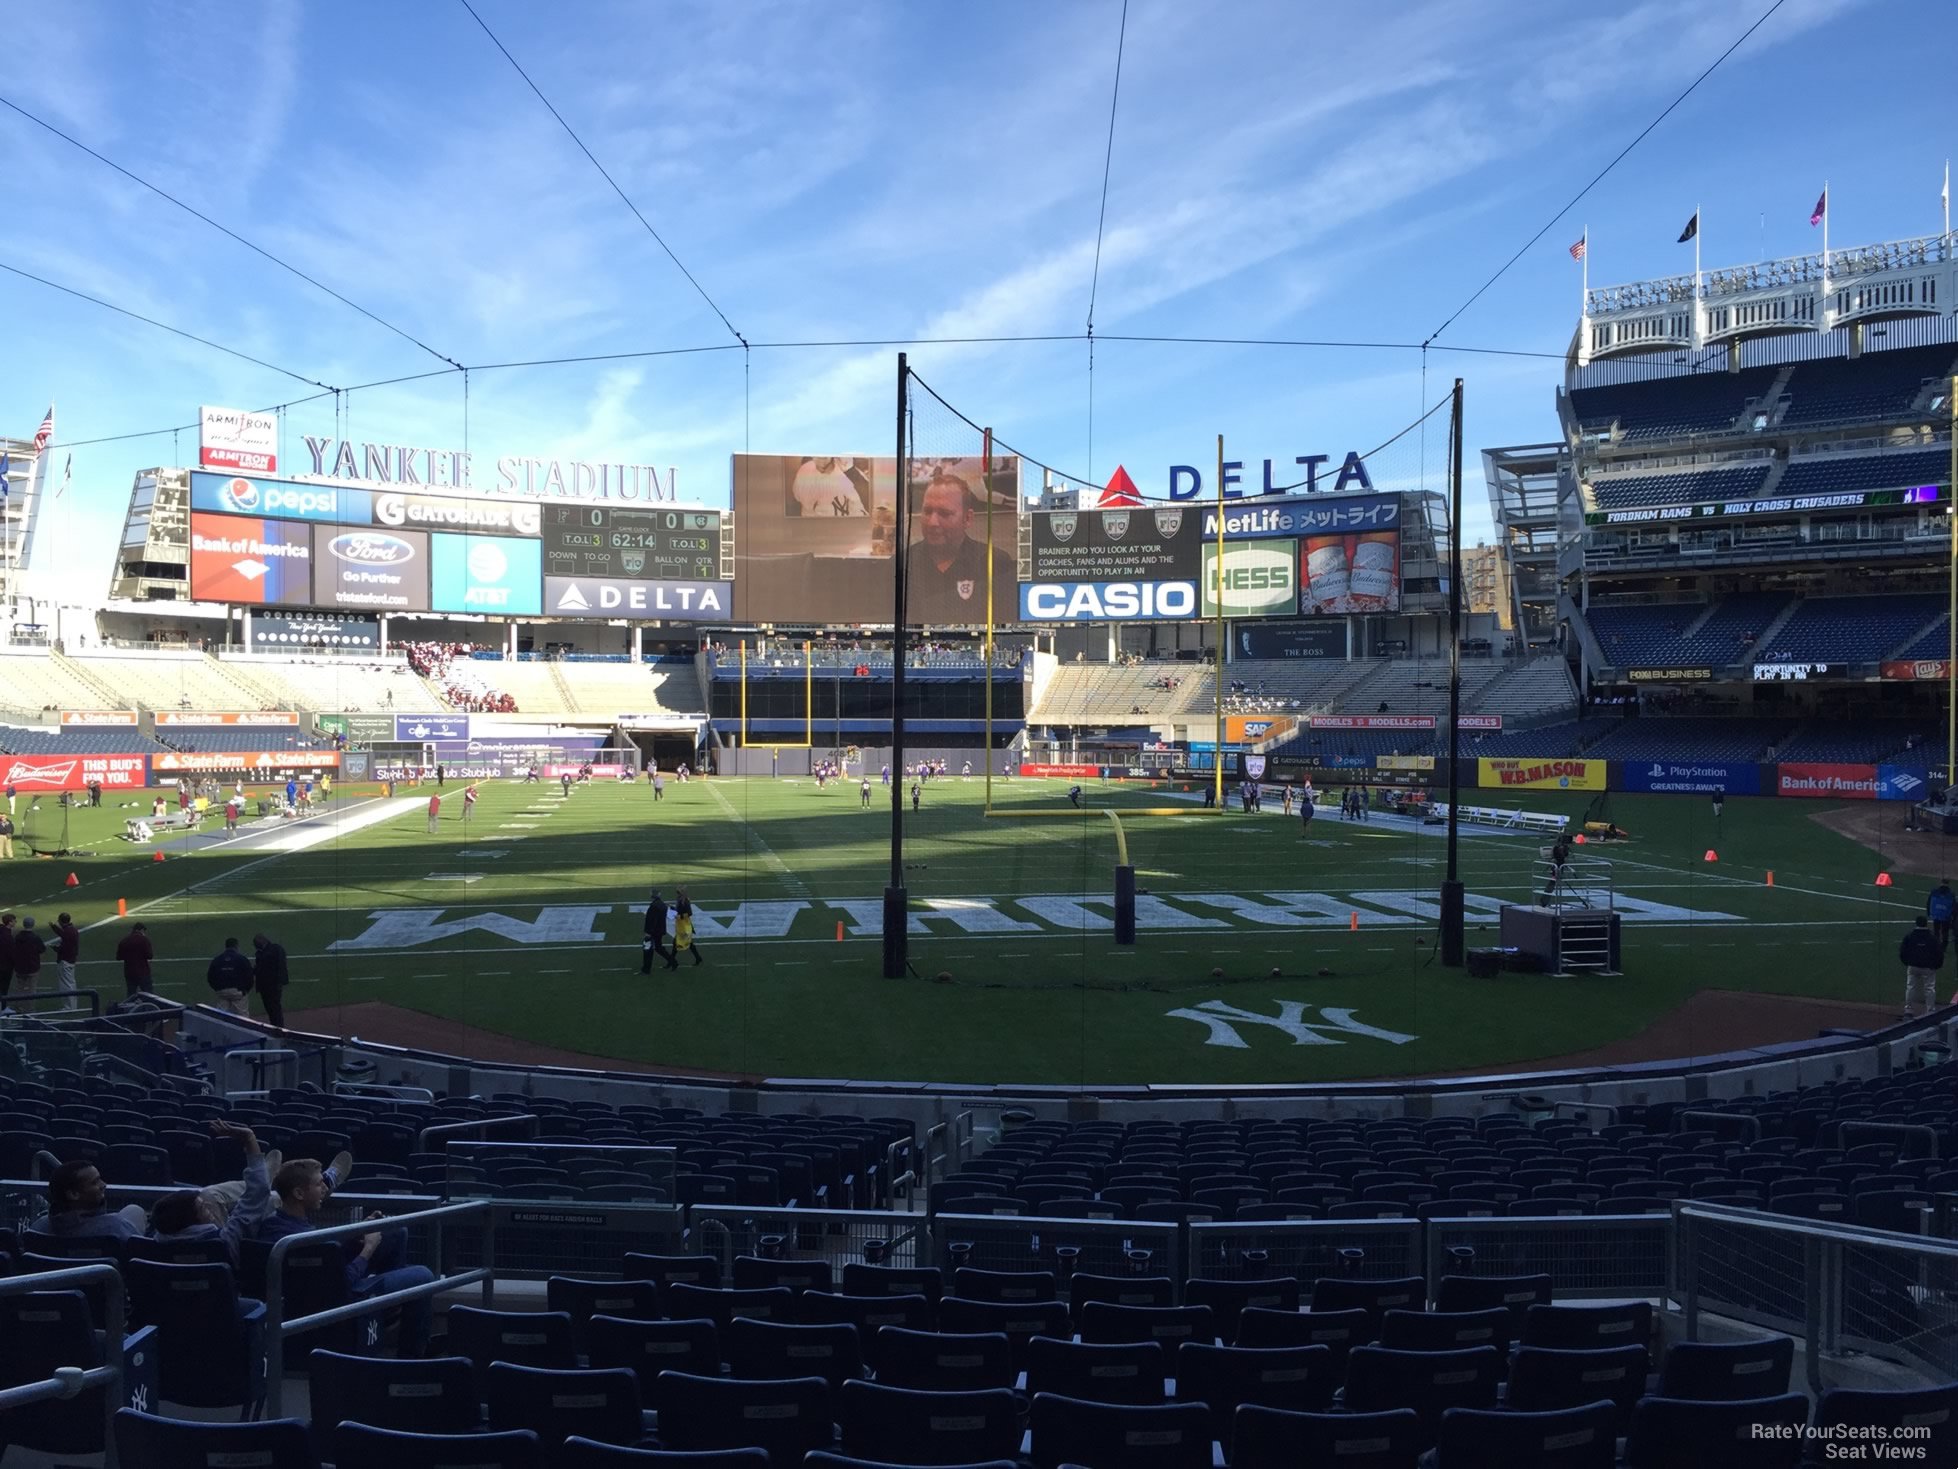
[{"x": 789, "y": 879}]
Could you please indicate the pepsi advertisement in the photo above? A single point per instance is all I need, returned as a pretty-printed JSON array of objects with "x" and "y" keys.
[
  {"x": 276, "y": 499},
  {"x": 381, "y": 570}
]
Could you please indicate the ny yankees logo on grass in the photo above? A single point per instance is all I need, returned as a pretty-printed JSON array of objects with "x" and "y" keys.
[{"x": 1223, "y": 1021}]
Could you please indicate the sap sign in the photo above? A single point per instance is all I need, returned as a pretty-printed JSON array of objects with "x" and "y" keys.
[
  {"x": 1107, "y": 601},
  {"x": 271, "y": 499},
  {"x": 1260, "y": 579},
  {"x": 1186, "y": 480}
]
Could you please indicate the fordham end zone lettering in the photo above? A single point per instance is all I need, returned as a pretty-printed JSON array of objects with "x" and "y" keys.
[
  {"x": 1118, "y": 601},
  {"x": 74, "y": 772},
  {"x": 1555, "y": 775}
]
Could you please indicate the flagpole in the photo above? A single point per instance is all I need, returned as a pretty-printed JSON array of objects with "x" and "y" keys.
[
  {"x": 1947, "y": 215},
  {"x": 1584, "y": 291},
  {"x": 1699, "y": 228},
  {"x": 1825, "y": 229}
]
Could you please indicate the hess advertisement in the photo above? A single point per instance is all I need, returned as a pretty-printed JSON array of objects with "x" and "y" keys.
[
  {"x": 260, "y": 563},
  {"x": 1260, "y": 579},
  {"x": 1340, "y": 574}
]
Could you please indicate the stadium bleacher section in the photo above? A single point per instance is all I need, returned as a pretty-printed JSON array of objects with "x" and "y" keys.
[
  {"x": 1874, "y": 386},
  {"x": 1850, "y": 629},
  {"x": 1667, "y": 408},
  {"x": 16, "y": 740},
  {"x": 1635, "y": 491},
  {"x": 167, "y": 680},
  {"x": 1847, "y": 473},
  {"x": 1685, "y": 635},
  {"x": 36, "y": 680},
  {"x": 347, "y": 685}
]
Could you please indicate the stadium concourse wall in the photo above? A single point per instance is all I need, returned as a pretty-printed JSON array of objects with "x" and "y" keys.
[{"x": 224, "y": 1041}]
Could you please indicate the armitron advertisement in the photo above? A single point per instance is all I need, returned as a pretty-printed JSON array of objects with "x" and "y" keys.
[
  {"x": 230, "y": 438},
  {"x": 1542, "y": 775},
  {"x": 36, "y": 773}
]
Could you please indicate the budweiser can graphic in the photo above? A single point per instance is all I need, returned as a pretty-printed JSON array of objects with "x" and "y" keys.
[
  {"x": 1375, "y": 572},
  {"x": 1328, "y": 577}
]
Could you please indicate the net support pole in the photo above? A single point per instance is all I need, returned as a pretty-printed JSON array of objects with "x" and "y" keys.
[
  {"x": 897, "y": 905},
  {"x": 1453, "y": 903},
  {"x": 1951, "y": 620},
  {"x": 1217, "y": 653},
  {"x": 986, "y": 484},
  {"x": 1124, "y": 886}
]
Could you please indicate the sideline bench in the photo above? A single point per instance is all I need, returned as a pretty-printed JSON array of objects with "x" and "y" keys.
[{"x": 1546, "y": 821}]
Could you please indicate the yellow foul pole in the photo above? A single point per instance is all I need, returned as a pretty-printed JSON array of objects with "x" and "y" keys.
[
  {"x": 744, "y": 693},
  {"x": 808, "y": 695},
  {"x": 1217, "y": 585}
]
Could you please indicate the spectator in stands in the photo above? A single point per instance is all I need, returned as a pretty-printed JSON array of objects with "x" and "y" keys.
[
  {"x": 78, "y": 1207},
  {"x": 375, "y": 1261},
  {"x": 230, "y": 978},
  {"x": 67, "y": 954},
  {"x": 271, "y": 976},
  {"x": 1922, "y": 956},
  {"x": 226, "y": 1212},
  {"x": 1939, "y": 908},
  {"x": 136, "y": 953},
  {"x": 29, "y": 947}
]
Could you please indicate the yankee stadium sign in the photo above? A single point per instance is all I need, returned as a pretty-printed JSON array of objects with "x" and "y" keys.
[{"x": 407, "y": 464}]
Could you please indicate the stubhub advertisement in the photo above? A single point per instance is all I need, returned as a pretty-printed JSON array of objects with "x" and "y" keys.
[
  {"x": 1689, "y": 778},
  {"x": 492, "y": 574}
]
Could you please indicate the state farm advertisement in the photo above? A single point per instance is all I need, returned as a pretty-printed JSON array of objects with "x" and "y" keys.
[
  {"x": 270, "y": 718},
  {"x": 230, "y": 438},
  {"x": 1076, "y": 772},
  {"x": 217, "y": 761},
  {"x": 1827, "y": 782},
  {"x": 91, "y": 717},
  {"x": 74, "y": 772}
]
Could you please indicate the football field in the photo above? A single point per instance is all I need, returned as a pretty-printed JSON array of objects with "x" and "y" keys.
[{"x": 525, "y": 922}]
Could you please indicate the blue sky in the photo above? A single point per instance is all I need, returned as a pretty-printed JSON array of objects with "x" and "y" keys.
[{"x": 886, "y": 170}]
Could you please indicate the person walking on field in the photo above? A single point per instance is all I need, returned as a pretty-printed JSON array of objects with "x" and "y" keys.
[
  {"x": 271, "y": 975},
  {"x": 654, "y": 941},
  {"x": 136, "y": 953},
  {"x": 1922, "y": 956},
  {"x": 866, "y": 792},
  {"x": 1940, "y": 907},
  {"x": 434, "y": 814},
  {"x": 683, "y": 930},
  {"x": 67, "y": 954},
  {"x": 468, "y": 801},
  {"x": 659, "y": 785}
]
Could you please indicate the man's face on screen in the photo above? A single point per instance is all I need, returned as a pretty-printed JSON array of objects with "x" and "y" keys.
[{"x": 944, "y": 517}]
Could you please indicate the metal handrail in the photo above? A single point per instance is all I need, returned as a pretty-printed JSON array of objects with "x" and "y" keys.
[
  {"x": 277, "y": 1329},
  {"x": 34, "y": 996},
  {"x": 1847, "y": 1234},
  {"x": 1905, "y": 1133},
  {"x": 525, "y": 1121},
  {"x": 252, "y": 1052},
  {"x": 68, "y": 1382}
]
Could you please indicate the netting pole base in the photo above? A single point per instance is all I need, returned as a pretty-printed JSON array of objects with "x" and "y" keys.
[
  {"x": 1125, "y": 906},
  {"x": 897, "y": 918},
  {"x": 1454, "y": 939}
]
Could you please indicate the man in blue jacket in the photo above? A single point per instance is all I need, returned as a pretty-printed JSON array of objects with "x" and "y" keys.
[
  {"x": 1939, "y": 908},
  {"x": 374, "y": 1260},
  {"x": 226, "y": 1212}
]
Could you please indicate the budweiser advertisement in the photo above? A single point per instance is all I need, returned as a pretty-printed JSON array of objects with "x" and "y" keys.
[
  {"x": 74, "y": 772},
  {"x": 1077, "y": 772},
  {"x": 174, "y": 763}
]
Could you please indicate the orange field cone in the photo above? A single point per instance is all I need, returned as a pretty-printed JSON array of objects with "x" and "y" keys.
[
  {"x": 1355, "y": 923},
  {"x": 1883, "y": 879},
  {"x": 1579, "y": 839},
  {"x": 73, "y": 881},
  {"x": 839, "y": 930},
  {"x": 1770, "y": 877},
  {"x": 122, "y": 907},
  {"x": 156, "y": 856},
  {"x": 1711, "y": 855}
]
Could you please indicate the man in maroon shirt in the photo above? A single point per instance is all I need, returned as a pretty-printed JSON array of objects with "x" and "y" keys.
[{"x": 135, "y": 951}]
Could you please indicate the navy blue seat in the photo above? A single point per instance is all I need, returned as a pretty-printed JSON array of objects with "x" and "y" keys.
[
  {"x": 1585, "y": 1328},
  {"x": 935, "y": 1361},
  {"x": 648, "y": 1348},
  {"x": 1084, "y": 1289},
  {"x": 1675, "y": 1433},
  {"x": 1170, "y": 1325},
  {"x": 754, "y": 1273},
  {"x": 665, "y": 1270},
  {"x": 1375, "y": 1297},
  {"x": 1157, "y": 1436},
  {"x": 179, "y": 1252},
  {"x": 1569, "y": 1438},
  {"x": 279, "y": 1443},
  {"x": 1018, "y": 1322},
  {"x": 905, "y": 1426},
  {"x": 1724, "y": 1371},
  {"x": 845, "y": 1461},
  {"x": 775, "y": 1349},
  {"x": 43, "y": 1331},
  {"x": 1931, "y": 1410},
  {"x": 1271, "y": 1438},
  {"x": 1514, "y": 1293},
  {"x": 892, "y": 1280},
  {"x": 869, "y": 1314},
  {"x": 1338, "y": 1331},
  {"x": 788, "y": 1417},
  {"x": 436, "y": 1395},
  {"x": 211, "y": 1345},
  {"x": 635, "y": 1300},
  {"x": 1379, "y": 1379},
  {"x": 1223, "y": 1379},
  {"x": 1228, "y": 1299},
  {"x": 584, "y": 1453},
  {"x": 393, "y": 1448},
  {"x": 138, "y": 1165},
  {"x": 1004, "y": 1285},
  {"x": 1446, "y": 1331},
  {"x": 597, "y": 1403},
  {"x": 525, "y": 1338},
  {"x": 1117, "y": 1372},
  {"x": 776, "y": 1303},
  {"x": 1546, "y": 1379}
]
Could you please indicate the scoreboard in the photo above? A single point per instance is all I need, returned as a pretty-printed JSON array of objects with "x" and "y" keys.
[{"x": 632, "y": 542}]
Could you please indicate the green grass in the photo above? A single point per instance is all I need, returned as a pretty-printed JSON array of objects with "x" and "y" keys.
[{"x": 1050, "y": 1003}]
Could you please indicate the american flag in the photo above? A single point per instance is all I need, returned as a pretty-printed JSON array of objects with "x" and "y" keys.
[
  {"x": 1577, "y": 250},
  {"x": 45, "y": 431}
]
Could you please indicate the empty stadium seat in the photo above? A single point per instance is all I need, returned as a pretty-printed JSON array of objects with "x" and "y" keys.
[
  {"x": 391, "y": 1448},
  {"x": 1570, "y": 1438},
  {"x": 1719, "y": 1371},
  {"x": 145, "y": 1438},
  {"x": 1275, "y": 1438},
  {"x": 1162, "y": 1436},
  {"x": 787, "y": 1417},
  {"x": 902, "y": 1425},
  {"x": 942, "y": 1361},
  {"x": 1676, "y": 1433}
]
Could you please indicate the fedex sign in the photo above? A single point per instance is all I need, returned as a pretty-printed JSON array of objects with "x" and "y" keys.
[{"x": 1186, "y": 480}]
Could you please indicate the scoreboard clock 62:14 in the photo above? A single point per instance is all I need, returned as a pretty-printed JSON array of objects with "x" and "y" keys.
[{"x": 632, "y": 541}]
